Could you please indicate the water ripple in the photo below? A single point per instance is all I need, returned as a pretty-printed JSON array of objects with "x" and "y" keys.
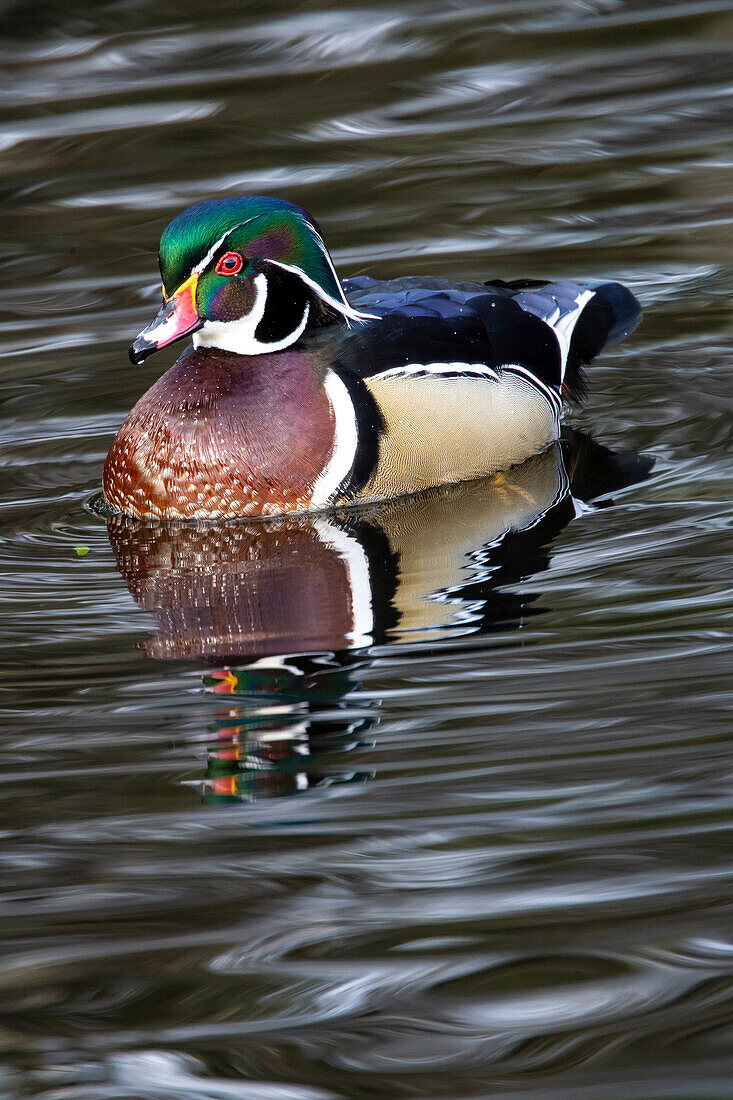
[{"x": 487, "y": 853}]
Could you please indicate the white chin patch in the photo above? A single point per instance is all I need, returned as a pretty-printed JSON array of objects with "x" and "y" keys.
[{"x": 239, "y": 336}]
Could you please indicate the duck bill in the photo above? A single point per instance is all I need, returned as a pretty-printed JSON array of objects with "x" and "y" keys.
[{"x": 176, "y": 318}]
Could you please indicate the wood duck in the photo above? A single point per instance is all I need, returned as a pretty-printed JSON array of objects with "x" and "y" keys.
[{"x": 301, "y": 392}]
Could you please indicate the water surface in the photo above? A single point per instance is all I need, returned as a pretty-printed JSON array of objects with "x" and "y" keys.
[{"x": 425, "y": 801}]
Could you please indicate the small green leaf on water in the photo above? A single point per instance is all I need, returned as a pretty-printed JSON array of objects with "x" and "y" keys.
[{"x": 81, "y": 550}]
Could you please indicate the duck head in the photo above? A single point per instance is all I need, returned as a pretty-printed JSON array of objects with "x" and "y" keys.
[{"x": 247, "y": 275}]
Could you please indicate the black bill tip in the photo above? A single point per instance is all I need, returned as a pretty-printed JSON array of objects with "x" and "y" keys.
[{"x": 140, "y": 350}]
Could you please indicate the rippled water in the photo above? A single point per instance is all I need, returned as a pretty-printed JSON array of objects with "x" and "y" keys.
[{"x": 426, "y": 801}]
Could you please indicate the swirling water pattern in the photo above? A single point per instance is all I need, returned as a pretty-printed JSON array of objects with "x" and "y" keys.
[{"x": 467, "y": 833}]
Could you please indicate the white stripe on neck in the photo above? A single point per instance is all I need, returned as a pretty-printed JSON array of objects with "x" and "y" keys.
[
  {"x": 239, "y": 336},
  {"x": 203, "y": 264},
  {"x": 345, "y": 440}
]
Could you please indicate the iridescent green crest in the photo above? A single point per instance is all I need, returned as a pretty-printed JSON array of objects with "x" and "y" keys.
[{"x": 259, "y": 228}]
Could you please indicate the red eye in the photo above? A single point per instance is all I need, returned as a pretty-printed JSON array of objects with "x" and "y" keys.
[{"x": 231, "y": 263}]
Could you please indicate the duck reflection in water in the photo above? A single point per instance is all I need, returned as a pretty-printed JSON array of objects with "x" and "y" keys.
[{"x": 287, "y": 612}]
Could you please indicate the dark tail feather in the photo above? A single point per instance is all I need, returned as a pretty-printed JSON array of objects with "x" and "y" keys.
[{"x": 612, "y": 314}]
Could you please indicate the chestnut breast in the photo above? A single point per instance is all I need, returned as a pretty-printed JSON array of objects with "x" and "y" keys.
[{"x": 223, "y": 435}]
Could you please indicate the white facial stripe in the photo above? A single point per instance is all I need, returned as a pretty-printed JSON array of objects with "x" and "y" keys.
[
  {"x": 202, "y": 264},
  {"x": 342, "y": 306},
  {"x": 344, "y": 444},
  {"x": 239, "y": 336},
  {"x": 327, "y": 257},
  {"x": 326, "y": 254}
]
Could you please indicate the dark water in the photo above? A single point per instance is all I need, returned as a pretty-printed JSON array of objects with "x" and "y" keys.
[{"x": 429, "y": 801}]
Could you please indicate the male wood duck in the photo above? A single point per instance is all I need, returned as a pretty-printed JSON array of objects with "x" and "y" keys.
[{"x": 301, "y": 392}]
